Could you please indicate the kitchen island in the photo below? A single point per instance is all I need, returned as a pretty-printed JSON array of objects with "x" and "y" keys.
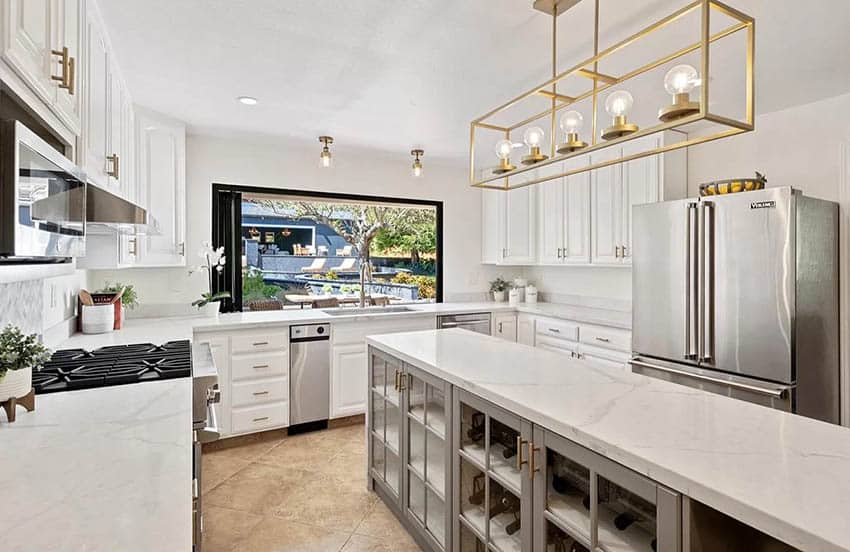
[{"x": 726, "y": 465}]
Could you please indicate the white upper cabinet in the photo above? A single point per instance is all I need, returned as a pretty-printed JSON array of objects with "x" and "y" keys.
[
  {"x": 564, "y": 220},
  {"x": 96, "y": 119},
  {"x": 509, "y": 226},
  {"x": 551, "y": 221},
  {"x": 41, "y": 43},
  {"x": 27, "y": 42},
  {"x": 161, "y": 185},
  {"x": 606, "y": 214}
]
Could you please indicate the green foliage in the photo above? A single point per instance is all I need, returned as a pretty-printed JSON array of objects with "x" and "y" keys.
[
  {"x": 19, "y": 351},
  {"x": 254, "y": 288},
  {"x": 331, "y": 275},
  {"x": 425, "y": 267},
  {"x": 327, "y": 289},
  {"x": 207, "y": 298},
  {"x": 129, "y": 299},
  {"x": 427, "y": 284},
  {"x": 499, "y": 284}
]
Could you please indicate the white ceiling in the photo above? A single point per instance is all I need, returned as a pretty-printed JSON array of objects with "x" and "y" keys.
[{"x": 392, "y": 75}]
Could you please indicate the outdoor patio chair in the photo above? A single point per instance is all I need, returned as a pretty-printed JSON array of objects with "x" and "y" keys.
[
  {"x": 318, "y": 266},
  {"x": 347, "y": 265},
  {"x": 345, "y": 251},
  {"x": 325, "y": 303},
  {"x": 379, "y": 301}
]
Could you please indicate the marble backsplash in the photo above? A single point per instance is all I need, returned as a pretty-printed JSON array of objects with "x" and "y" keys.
[{"x": 21, "y": 304}]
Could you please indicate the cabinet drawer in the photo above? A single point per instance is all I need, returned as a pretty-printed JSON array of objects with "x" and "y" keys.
[
  {"x": 558, "y": 345},
  {"x": 258, "y": 418},
  {"x": 259, "y": 365},
  {"x": 262, "y": 391},
  {"x": 558, "y": 329},
  {"x": 609, "y": 338},
  {"x": 255, "y": 343}
]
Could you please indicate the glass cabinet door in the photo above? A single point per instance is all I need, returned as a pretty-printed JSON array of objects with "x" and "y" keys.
[
  {"x": 494, "y": 456},
  {"x": 426, "y": 454},
  {"x": 385, "y": 420}
]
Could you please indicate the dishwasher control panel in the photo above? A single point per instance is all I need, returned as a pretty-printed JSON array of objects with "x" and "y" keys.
[{"x": 309, "y": 331}]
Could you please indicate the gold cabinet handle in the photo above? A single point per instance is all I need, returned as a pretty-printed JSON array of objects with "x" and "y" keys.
[
  {"x": 402, "y": 377},
  {"x": 115, "y": 165},
  {"x": 64, "y": 63},
  {"x": 624, "y": 249},
  {"x": 397, "y": 380},
  {"x": 532, "y": 450},
  {"x": 617, "y": 253},
  {"x": 72, "y": 65},
  {"x": 519, "y": 444}
]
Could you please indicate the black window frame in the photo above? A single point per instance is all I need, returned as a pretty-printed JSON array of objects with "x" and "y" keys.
[{"x": 232, "y": 278}]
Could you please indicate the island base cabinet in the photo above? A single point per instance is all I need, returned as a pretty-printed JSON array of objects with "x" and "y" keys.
[
  {"x": 410, "y": 447},
  {"x": 705, "y": 529}
]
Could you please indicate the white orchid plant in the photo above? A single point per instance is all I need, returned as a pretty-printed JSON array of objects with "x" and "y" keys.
[{"x": 214, "y": 262}]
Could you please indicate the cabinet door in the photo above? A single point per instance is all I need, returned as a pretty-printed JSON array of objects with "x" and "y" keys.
[
  {"x": 606, "y": 217},
  {"x": 520, "y": 226},
  {"x": 67, "y": 33},
  {"x": 525, "y": 329},
  {"x": 427, "y": 455},
  {"x": 27, "y": 43},
  {"x": 505, "y": 326},
  {"x": 219, "y": 347},
  {"x": 96, "y": 118},
  {"x": 641, "y": 184},
  {"x": 385, "y": 420},
  {"x": 348, "y": 380},
  {"x": 577, "y": 219},
  {"x": 161, "y": 185},
  {"x": 551, "y": 223},
  {"x": 492, "y": 221},
  {"x": 115, "y": 166},
  {"x": 493, "y": 494}
]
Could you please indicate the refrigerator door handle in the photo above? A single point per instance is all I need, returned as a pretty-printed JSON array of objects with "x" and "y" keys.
[
  {"x": 774, "y": 392},
  {"x": 690, "y": 275},
  {"x": 706, "y": 274}
]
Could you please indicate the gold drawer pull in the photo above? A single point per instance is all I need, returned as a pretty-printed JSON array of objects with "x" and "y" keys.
[
  {"x": 260, "y": 393},
  {"x": 519, "y": 445},
  {"x": 261, "y": 419},
  {"x": 115, "y": 165},
  {"x": 531, "y": 464},
  {"x": 68, "y": 64}
]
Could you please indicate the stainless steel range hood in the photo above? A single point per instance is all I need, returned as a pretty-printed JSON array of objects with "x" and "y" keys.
[{"x": 105, "y": 209}]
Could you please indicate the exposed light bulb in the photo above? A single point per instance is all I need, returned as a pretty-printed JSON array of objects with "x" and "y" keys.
[
  {"x": 417, "y": 168},
  {"x": 533, "y": 137},
  {"x": 618, "y": 103},
  {"x": 417, "y": 164},
  {"x": 503, "y": 149},
  {"x": 325, "y": 158},
  {"x": 571, "y": 122},
  {"x": 681, "y": 79}
]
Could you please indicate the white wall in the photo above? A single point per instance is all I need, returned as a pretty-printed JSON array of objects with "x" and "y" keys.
[{"x": 266, "y": 162}]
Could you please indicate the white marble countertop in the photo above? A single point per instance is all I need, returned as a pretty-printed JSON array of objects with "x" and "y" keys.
[
  {"x": 99, "y": 469},
  {"x": 247, "y": 320},
  {"x": 786, "y": 475}
]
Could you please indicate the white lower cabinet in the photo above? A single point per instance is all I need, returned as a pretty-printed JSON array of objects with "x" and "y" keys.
[
  {"x": 349, "y": 359},
  {"x": 220, "y": 349},
  {"x": 525, "y": 329},
  {"x": 505, "y": 326},
  {"x": 348, "y": 380},
  {"x": 605, "y": 346}
]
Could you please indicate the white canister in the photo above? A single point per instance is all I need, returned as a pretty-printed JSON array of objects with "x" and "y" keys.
[
  {"x": 530, "y": 294},
  {"x": 98, "y": 319},
  {"x": 515, "y": 296},
  {"x": 520, "y": 284}
]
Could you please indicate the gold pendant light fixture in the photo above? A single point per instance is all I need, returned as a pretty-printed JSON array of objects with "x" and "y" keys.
[
  {"x": 417, "y": 163},
  {"x": 593, "y": 85},
  {"x": 325, "y": 158}
]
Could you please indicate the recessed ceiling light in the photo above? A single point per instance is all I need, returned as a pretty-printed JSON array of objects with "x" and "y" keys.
[{"x": 247, "y": 100}]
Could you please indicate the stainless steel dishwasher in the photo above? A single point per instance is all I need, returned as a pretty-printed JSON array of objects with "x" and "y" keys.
[
  {"x": 477, "y": 322},
  {"x": 309, "y": 377}
]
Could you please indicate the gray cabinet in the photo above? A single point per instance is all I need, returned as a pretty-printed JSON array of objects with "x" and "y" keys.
[
  {"x": 493, "y": 489},
  {"x": 409, "y": 447}
]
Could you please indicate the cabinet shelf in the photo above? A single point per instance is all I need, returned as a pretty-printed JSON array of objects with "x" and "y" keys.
[
  {"x": 611, "y": 539},
  {"x": 436, "y": 475},
  {"x": 568, "y": 513},
  {"x": 475, "y": 454},
  {"x": 504, "y": 471},
  {"x": 499, "y": 537},
  {"x": 436, "y": 421},
  {"x": 474, "y": 519}
]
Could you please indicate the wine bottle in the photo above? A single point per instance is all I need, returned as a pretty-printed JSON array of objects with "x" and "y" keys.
[
  {"x": 477, "y": 496},
  {"x": 513, "y": 527},
  {"x": 476, "y": 432},
  {"x": 624, "y": 520}
]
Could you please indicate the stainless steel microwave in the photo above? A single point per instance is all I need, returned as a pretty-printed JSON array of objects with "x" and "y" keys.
[{"x": 42, "y": 198}]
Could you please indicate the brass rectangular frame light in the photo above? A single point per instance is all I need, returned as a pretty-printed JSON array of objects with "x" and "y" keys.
[{"x": 602, "y": 82}]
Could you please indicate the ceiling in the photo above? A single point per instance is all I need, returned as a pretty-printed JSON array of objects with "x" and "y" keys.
[{"x": 391, "y": 75}]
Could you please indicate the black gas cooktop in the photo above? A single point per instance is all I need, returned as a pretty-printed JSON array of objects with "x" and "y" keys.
[{"x": 114, "y": 365}]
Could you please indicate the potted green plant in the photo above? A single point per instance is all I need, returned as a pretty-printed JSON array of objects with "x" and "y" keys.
[
  {"x": 498, "y": 287},
  {"x": 327, "y": 289},
  {"x": 19, "y": 355},
  {"x": 214, "y": 262},
  {"x": 129, "y": 297}
]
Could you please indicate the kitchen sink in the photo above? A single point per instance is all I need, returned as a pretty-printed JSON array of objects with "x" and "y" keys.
[{"x": 366, "y": 310}]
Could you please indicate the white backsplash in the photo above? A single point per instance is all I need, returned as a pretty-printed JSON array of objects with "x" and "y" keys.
[{"x": 21, "y": 304}]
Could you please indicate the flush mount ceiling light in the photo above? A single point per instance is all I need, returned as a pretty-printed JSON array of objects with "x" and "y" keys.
[
  {"x": 247, "y": 100},
  {"x": 325, "y": 158},
  {"x": 592, "y": 85},
  {"x": 417, "y": 164}
]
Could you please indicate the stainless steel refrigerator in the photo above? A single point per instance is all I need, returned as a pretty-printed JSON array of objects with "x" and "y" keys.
[{"x": 738, "y": 294}]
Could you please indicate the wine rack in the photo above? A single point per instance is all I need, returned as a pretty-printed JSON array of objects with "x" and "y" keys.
[{"x": 493, "y": 501}]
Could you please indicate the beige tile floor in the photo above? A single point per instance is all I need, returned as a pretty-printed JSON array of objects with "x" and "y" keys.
[{"x": 274, "y": 493}]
